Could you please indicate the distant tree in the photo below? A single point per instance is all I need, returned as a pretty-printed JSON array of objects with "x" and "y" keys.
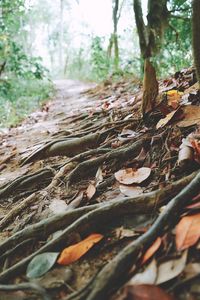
[{"x": 113, "y": 42}]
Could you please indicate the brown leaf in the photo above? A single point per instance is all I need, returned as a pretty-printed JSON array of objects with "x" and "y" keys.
[
  {"x": 152, "y": 250},
  {"x": 91, "y": 190},
  {"x": 167, "y": 119},
  {"x": 191, "y": 116},
  {"x": 130, "y": 191},
  {"x": 146, "y": 292},
  {"x": 130, "y": 175},
  {"x": 187, "y": 232},
  {"x": 74, "y": 252}
]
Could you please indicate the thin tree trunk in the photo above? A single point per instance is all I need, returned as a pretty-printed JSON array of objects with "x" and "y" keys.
[
  {"x": 196, "y": 35},
  {"x": 61, "y": 34}
]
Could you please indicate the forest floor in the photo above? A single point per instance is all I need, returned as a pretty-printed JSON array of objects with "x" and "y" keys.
[{"x": 86, "y": 170}]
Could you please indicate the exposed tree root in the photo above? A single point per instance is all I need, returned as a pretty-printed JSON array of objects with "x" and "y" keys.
[
  {"x": 67, "y": 147},
  {"x": 121, "y": 154},
  {"x": 26, "y": 287},
  {"x": 23, "y": 182},
  {"x": 85, "y": 220},
  {"x": 115, "y": 271},
  {"x": 33, "y": 198}
]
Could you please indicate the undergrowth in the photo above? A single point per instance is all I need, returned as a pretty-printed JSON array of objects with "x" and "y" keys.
[{"x": 19, "y": 97}]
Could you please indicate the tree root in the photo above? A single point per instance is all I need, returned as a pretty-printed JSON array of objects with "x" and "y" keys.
[
  {"x": 26, "y": 287},
  {"x": 25, "y": 181},
  {"x": 33, "y": 198},
  {"x": 121, "y": 154},
  {"x": 85, "y": 220},
  {"x": 65, "y": 146},
  {"x": 117, "y": 269}
]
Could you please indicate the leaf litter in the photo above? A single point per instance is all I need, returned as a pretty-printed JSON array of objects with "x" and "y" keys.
[{"x": 141, "y": 173}]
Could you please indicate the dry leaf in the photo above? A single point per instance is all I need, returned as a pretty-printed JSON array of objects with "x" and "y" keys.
[
  {"x": 74, "y": 252},
  {"x": 196, "y": 145},
  {"x": 191, "y": 116},
  {"x": 191, "y": 270},
  {"x": 152, "y": 250},
  {"x": 91, "y": 190},
  {"x": 130, "y": 175},
  {"x": 173, "y": 98},
  {"x": 171, "y": 269},
  {"x": 99, "y": 176},
  {"x": 58, "y": 206},
  {"x": 130, "y": 191},
  {"x": 124, "y": 233},
  {"x": 148, "y": 276},
  {"x": 167, "y": 119},
  {"x": 146, "y": 292},
  {"x": 188, "y": 232}
]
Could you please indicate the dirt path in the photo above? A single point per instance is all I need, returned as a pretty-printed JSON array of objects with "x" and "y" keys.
[{"x": 15, "y": 143}]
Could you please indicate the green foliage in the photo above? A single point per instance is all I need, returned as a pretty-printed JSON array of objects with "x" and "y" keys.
[
  {"x": 24, "y": 82},
  {"x": 19, "y": 97},
  {"x": 99, "y": 60}
]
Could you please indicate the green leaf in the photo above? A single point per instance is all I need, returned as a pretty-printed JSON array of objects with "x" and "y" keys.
[{"x": 41, "y": 264}]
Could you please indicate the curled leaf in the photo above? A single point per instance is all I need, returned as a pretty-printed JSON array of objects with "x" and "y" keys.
[
  {"x": 130, "y": 191},
  {"x": 167, "y": 119},
  {"x": 130, "y": 175},
  {"x": 74, "y": 252}
]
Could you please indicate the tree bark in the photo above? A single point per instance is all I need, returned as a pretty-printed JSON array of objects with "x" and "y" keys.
[{"x": 196, "y": 35}]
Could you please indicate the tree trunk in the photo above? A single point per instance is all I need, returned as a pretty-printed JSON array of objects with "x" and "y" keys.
[
  {"x": 115, "y": 34},
  {"x": 61, "y": 37},
  {"x": 196, "y": 35},
  {"x": 150, "y": 88},
  {"x": 141, "y": 28}
]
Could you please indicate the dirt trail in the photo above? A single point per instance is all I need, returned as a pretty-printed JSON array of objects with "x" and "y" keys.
[{"x": 15, "y": 143}]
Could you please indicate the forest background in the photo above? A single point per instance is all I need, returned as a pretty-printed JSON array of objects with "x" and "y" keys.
[{"x": 86, "y": 40}]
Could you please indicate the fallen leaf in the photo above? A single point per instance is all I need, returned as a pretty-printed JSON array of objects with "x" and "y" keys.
[
  {"x": 76, "y": 201},
  {"x": 188, "y": 232},
  {"x": 173, "y": 98},
  {"x": 167, "y": 119},
  {"x": 54, "y": 278},
  {"x": 74, "y": 252},
  {"x": 90, "y": 192},
  {"x": 196, "y": 145},
  {"x": 146, "y": 292},
  {"x": 148, "y": 276},
  {"x": 171, "y": 269},
  {"x": 191, "y": 116},
  {"x": 130, "y": 191},
  {"x": 99, "y": 176},
  {"x": 130, "y": 175},
  {"x": 124, "y": 233},
  {"x": 191, "y": 270},
  {"x": 127, "y": 134},
  {"x": 152, "y": 250},
  {"x": 58, "y": 206},
  {"x": 41, "y": 264}
]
